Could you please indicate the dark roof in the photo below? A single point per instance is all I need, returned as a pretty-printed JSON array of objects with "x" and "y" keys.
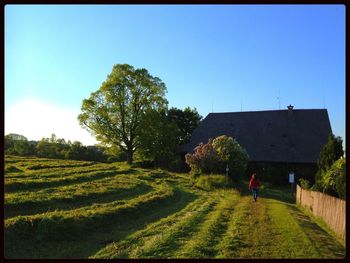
[{"x": 269, "y": 136}]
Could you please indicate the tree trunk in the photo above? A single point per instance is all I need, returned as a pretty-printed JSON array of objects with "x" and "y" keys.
[{"x": 129, "y": 155}]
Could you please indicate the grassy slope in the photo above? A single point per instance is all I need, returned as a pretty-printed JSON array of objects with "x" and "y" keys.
[{"x": 71, "y": 209}]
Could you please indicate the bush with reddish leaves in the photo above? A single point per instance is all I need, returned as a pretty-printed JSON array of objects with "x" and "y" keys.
[
  {"x": 204, "y": 158},
  {"x": 214, "y": 156}
]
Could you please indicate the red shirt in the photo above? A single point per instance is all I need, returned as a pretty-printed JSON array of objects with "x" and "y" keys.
[{"x": 254, "y": 183}]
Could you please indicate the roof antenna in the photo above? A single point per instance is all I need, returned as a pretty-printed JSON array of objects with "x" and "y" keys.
[
  {"x": 279, "y": 100},
  {"x": 241, "y": 104},
  {"x": 212, "y": 107}
]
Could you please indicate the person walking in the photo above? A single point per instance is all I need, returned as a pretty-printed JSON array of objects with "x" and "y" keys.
[{"x": 254, "y": 185}]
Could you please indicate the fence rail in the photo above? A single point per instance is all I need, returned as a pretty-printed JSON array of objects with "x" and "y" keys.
[{"x": 329, "y": 208}]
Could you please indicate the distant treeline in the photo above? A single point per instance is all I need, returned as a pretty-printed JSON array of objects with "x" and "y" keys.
[
  {"x": 56, "y": 148},
  {"x": 160, "y": 135}
]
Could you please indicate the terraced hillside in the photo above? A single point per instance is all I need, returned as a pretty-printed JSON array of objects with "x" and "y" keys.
[{"x": 74, "y": 209}]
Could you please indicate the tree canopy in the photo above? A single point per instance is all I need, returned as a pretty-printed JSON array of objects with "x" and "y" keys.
[
  {"x": 330, "y": 152},
  {"x": 186, "y": 120},
  {"x": 114, "y": 112},
  {"x": 158, "y": 137}
]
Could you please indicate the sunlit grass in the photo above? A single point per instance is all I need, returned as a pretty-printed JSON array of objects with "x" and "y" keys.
[{"x": 73, "y": 209}]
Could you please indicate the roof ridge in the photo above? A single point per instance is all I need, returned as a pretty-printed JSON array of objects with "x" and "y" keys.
[{"x": 228, "y": 112}]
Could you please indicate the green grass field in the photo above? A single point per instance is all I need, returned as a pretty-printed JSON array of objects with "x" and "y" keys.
[{"x": 75, "y": 209}]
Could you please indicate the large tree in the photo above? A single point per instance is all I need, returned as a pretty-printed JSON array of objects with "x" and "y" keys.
[{"x": 113, "y": 113}]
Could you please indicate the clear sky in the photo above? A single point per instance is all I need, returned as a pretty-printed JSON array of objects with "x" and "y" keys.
[{"x": 217, "y": 58}]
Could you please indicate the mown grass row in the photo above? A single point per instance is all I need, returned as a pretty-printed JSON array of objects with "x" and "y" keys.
[
  {"x": 90, "y": 183},
  {"x": 57, "y": 172},
  {"x": 23, "y": 159},
  {"x": 31, "y": 185},
  {"x": 203, "y": 244},
  {"x": 80, "y": 232},
  {"x": 64, "y": 225},
  {"x": 141, "y": 241},
  {"x": 231, "y": 242},
  {"x": 198, "y": 226},
  {"x": 66, "y": 204},
  {"x": 74, "y": 198},
  {"x": 34, "y": 163}
]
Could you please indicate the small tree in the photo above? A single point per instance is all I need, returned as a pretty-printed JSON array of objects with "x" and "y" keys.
[
  {"x": 232, "y": 154},
  {"x": 331, "y": 152},
  {"x": 334, "y": 179}
]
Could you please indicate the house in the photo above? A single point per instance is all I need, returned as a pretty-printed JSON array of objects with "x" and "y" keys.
[{"x": 277, "y": 141}]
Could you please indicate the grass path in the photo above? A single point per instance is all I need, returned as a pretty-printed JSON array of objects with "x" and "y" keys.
[{"x": 272, "y": 228}]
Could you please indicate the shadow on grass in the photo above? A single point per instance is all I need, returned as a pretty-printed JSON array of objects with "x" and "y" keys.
[
  {"x": 330, "y": 246},
  {"x": 279, "y": 193},
  {"x": 96, "y": 239}
]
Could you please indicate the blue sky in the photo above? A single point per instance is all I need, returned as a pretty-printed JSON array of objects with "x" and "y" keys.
[{"x": 217, "y": 58}]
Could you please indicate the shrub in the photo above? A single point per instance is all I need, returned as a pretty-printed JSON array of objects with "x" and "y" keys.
[
  {"x": 204, "y": 159},
  {"x": 213, "y": 157}
]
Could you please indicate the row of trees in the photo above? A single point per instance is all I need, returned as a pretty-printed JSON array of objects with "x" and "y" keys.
[{"x": 53, "y": 147}]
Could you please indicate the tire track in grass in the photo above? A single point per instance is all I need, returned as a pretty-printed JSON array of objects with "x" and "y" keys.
[
  {"x": 249, "y": 233},
  {"x": 165, "y": 244},
  {"x": 203, "y": 244},
  {"x": 232, "y": 242},
  {"x": 258, "y": 233}
]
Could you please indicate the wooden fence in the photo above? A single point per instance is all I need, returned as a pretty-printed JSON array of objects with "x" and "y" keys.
[{"x": 329, "y": 208}]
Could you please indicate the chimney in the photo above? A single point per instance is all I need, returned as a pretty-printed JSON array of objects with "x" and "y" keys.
[{"x": 290, "y": 109}]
